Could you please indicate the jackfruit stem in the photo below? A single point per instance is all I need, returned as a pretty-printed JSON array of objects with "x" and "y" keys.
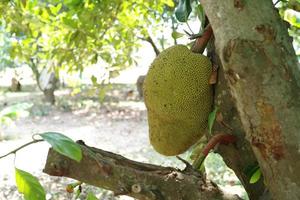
[
  {"x": 219, "y": 138},
  {"x": 201, "y": 42}
]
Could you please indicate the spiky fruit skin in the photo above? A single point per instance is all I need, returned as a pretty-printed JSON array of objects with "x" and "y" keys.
[{"x": 178, "y": 99}]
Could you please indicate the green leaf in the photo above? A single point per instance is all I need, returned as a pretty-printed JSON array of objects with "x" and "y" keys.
[
  {"x": 70, "y": 22},
  {"x": 177, "y": 35},
  {"x": 91, "y": 196},
  {"x": 29, "y": 186},
  {"x": 183, "y": 10},
  {"x": 55, "y": 9},
  {"x": 292, "y": 17},
  {"x": 201, "y": 15},
  {"x": 94, "y": 59},
  {"x": 72, "y": 2},
  {"x": 255, "y": 176},
  {"x": 211, "y": 119},
  {"x": 94, "y": 80},
  {"x": 63, "y": 145}
]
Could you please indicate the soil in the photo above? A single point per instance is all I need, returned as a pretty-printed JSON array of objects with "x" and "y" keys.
[{"x": 118, "y": 126}]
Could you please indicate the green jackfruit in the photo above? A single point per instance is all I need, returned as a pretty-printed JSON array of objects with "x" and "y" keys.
[{"x": 178, "y": 99}]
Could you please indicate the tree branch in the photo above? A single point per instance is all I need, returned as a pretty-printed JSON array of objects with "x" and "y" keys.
[
  {"x": 21, "y": 147},
  {"x": 201, "y": 42},
  {"x": 139, "y": 180}
]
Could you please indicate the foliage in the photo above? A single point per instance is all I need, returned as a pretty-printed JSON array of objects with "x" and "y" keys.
[
  {"x": 63, "y": 145},
  {"x": 290, "y": 11},
  {"x": 29, "y": 185},
  {"x": 211, "y": 119},
  {"x": 75, "y": 33},
  {"x": 13, "y": 112},
  {"x": 255, "y": 176},
  {"x": 5, "y": 47},
  {"x": 91, "y": 196}
]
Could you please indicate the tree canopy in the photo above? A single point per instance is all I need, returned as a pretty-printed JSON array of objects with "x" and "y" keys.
[{"x": 76, "y": 33}]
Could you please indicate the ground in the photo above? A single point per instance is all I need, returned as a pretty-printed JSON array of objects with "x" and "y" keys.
[{"x": 118, "y": 124}]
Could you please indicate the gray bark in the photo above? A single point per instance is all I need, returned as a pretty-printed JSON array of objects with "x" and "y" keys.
[
  {"x": 263, "y": 74},
  {"x": 139, "y": 180}
]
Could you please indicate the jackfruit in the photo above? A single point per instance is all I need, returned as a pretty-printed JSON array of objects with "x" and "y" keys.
[{"x": 178, "y": 98}]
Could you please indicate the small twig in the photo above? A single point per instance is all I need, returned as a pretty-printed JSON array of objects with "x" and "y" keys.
[
  {"x": 188, "y": 166},
  {"x": 21, "y": 147},
  {"x": 184, "y": 161},
  {"x": 195, "y": 36},
  {"x": 186, "y": 32},
  {"x": 219, "y": 138},
  {"x": 276, "y": 2},
  {"x": 189, "y": 27},
  {"x": 149, "y": 39}
]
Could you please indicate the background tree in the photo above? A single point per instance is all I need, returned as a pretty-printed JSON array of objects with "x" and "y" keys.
[{"x": 64, "y": 32}]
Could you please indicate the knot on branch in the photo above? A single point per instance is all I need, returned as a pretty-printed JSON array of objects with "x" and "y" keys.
[{"x": 136, "y": 188}]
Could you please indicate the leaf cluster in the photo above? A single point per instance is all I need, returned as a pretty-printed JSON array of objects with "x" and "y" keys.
[{"x": 76, "y": 33}]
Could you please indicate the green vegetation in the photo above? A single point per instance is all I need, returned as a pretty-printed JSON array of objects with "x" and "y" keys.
[
  {"x": 58, "y": 37},
  {"x": 53, "y": 36}
]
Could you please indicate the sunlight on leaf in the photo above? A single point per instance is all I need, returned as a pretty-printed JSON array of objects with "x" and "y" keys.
[
  {"x": 29, "y": 186},
  {"x": 91, "y": 196},
  {"x": 255, "y": 176},
  {"x": 63, "y": 145},
  {"x": 211, "y": 119},
  {"x": 177, "y": 35},
  {"x": 293, "y": 17}
]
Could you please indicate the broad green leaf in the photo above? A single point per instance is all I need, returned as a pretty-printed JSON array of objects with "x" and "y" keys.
[
  {"x": 29, "y": 186},
  {"x": 211, "y": 119},
  {"x": 55, "y": 9},
  {"x": 255, "y": 176},
  {"x": 94, "y": 59},
  {"x": 183, "y": 10},
  {"x": 63, "y": 145},
  {"x": 91, "y": 196},
  {"x": 177, "y": 35}
]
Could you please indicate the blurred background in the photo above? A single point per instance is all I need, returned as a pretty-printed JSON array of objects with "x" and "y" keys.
[{"x": 77, "y": 67}]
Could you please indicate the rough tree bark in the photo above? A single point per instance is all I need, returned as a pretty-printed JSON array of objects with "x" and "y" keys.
[
  {"x": 239, "y": 157},
  {"x": 139, "y": 180},
  {"x": 263, "y": 74}
]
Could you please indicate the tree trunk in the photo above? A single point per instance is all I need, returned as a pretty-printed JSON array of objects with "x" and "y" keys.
[
  {"x": 48, "y": 83},
  {"x": 262, "y": 72},
  {"x": 139, "y": 85},
  {"x": 15, "y": 85},
  {"x": 49, "y": 95},
  {"x": 239, "y": 157}
]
